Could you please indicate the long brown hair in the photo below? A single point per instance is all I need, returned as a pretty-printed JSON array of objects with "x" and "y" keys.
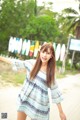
[{"x": 50, "y": 73}]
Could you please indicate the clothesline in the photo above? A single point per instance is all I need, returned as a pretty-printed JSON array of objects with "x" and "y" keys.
[{"x": 31, "y": 47}]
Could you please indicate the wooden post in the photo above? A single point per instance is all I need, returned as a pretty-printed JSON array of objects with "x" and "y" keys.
[
  {"x": 72, "y": 58},
  {"x": 66, "y": 54}
]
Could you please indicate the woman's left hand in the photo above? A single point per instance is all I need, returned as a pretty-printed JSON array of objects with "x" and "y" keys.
[{"x": 62, "y": 116}]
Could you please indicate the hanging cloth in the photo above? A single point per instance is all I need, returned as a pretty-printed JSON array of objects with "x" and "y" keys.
[
  {"x": 36, "y": 48},
  {"x": 31, "y": 48},
  {"x": 24, "y": 46},
  {"x": 10, "y": 45},
  {"x": 19, "y": 45},
  {"x": 54, "y": 46},
  {"x": 63, "y": 51},
  {"x": 27, "y": 47},
  {"x": 57, "y": 52}
]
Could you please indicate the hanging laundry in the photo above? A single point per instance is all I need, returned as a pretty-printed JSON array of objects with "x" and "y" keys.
[
  {"x": 14, "y": 45},
  {"x": 16, "y": 40},
  {"x": 57, "y": 52},
  {"x": 36, "y": 48},
  {"x": 31, "y": 48},
  {"x": 11, "y": 44},
  {"x": 39, "y": 47},
  {"x": 19, "y": 45},
  {"x": 54, "y": 46},
  {"x": 63, "y": 51},
  {"x": 24, "y": 47},
  {"x": 27, "y": 47}
]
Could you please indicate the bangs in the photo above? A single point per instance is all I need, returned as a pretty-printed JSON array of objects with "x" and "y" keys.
[{"x": 46, "y": 47}]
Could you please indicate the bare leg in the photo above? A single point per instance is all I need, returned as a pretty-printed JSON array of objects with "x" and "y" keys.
[{"x": 21, "y": 116}]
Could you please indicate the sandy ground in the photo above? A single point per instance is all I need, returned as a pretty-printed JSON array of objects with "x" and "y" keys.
[{"x": 70, "y": 87}]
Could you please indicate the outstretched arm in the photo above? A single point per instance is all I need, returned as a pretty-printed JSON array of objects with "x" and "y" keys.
[
  {"x": 6, "y": 60},
  {"x": 16, "y": 64},
  {"x": 61, "y": 113}
]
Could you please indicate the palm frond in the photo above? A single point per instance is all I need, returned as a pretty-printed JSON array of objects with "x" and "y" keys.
[
  {"x": 74, "y": 24},
  {"x": 70, "y": 20},
  {"x": 70, "y": 11}
]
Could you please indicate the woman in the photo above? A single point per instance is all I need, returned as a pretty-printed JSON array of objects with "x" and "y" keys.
[{"x": 33, "y": 99}]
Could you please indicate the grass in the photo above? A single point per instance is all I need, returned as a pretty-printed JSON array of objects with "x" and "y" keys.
[
  {"x": 70, "y": 71},
  {"x": 16, "y": 78},
  {"x": 10, "y": 76}
]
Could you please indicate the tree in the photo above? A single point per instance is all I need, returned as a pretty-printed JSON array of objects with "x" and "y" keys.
[
  {"x": 42, "y": 28},
  {"x": 71, "y": 19},
  {"x": 14, "y": 17},
  {"x": 23, "y": 18}
]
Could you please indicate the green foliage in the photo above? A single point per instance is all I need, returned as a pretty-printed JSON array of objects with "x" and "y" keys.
[
  {"x": 42, "y": 28},
  {"x": 71, "y": 19},
  {"x": 18, "y": 18},
  {"x": 14, "y": 17}
]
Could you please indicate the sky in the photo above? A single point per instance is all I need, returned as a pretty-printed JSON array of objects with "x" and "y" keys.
[{"x": 58, "y": 5}]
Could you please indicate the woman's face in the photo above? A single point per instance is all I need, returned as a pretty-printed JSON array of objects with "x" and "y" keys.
[{"x": 45, "y": 55}]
